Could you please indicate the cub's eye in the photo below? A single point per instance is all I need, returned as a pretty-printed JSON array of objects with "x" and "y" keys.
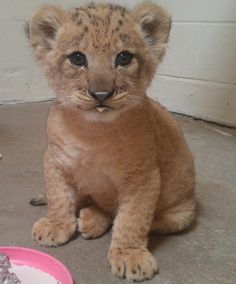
[
  {"x": 124, "y": 58},
  {"x": 78, "y": 59}
]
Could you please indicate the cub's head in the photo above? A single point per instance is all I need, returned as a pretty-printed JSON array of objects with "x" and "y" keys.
[{"x": 101, "y": 58}]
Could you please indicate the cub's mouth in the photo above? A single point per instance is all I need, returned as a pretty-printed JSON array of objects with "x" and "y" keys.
[{"x": 102, "y": 108}]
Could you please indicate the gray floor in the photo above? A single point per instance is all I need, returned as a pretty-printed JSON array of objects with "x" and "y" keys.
[{"x": 205, "y": 254}]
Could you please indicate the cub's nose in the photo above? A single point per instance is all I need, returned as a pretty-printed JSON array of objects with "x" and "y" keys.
[{"x": 101, "y": 96}]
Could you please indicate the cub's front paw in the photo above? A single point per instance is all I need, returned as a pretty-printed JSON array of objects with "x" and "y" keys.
[
  {"x": 132, "y": 263},
  {"x": 93, "y": 223},
  {"x": 53, "y": 233}
]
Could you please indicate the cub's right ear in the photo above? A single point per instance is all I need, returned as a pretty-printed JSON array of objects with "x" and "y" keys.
[
  {"x": 43, "y": 27},
  {"x": 154, "y": 26}
]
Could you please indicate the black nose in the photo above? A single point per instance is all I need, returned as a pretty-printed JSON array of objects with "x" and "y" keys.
[{"x": 101, "y": 96}]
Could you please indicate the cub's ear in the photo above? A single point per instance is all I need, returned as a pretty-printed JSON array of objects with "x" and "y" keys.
[
  {"x": 154, "y": 25},
  {"x": 42, "y": 28}
]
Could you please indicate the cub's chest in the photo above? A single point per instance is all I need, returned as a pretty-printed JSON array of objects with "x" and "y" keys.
[
  {"x": 90, "y": 173},
  {"x": 85, "y": 165},
  {"x": 74, "y": 157}
]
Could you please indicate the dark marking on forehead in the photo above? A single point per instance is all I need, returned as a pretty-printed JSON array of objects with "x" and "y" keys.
[
  {"x": 94, "y": 19},
  {"x": 115, "y": 7},
  {"x": 123, "y": 13},
  {"x": 86, "y": 29},
  {"x": 120, "y": 22},
  {"x": 107, "y": 21},
  {"x": 107, "y": 45},
  {"x": 92, "y": 5},
  {"x": 79, "y": 22},
  {"x": 74, "y": 14},
  {"x": 124, "y": 37}
]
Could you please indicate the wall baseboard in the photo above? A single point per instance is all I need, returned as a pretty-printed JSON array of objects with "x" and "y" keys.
[{"x": 206, "y": 100}]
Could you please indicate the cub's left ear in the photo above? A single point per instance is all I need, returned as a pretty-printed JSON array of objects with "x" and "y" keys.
[
  {"x": 43, "y": 27},
  {"x": 154, "y": 25}
]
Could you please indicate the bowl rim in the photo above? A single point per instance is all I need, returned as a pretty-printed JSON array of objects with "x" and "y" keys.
[{"x": 42, "y": 254}]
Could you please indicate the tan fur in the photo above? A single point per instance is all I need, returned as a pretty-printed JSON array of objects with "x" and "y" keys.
[
  {"x": 93, "y": 222},
  {"x": 128, "y": 165}
]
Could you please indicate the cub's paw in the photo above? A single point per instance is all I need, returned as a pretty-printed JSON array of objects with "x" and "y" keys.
[
  {"x": 93, "y": 223},
  {"x": 53, "y": 233},
  {"x": 133, "y": 264}
]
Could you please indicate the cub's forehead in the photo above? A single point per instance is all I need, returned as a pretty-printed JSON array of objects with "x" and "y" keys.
[
  {"x": 103, "y": 24},
  {"x": 95, "y": 14}
]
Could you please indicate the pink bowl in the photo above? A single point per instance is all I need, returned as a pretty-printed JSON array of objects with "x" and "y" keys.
[{"x": 37, "y": 259}]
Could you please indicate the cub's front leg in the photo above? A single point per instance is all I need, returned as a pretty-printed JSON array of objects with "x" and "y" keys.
[
  {"x": 128, "y": 254},
  {"x": 60, "y": 223}
]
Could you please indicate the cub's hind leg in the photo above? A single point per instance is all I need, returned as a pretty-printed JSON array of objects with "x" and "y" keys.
[{"x": 174, "y": 219}]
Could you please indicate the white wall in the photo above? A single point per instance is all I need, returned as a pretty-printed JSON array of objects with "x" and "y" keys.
[{"x": 197, "y": 77}]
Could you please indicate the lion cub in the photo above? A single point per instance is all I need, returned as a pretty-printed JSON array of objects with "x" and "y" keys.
[{"x": 114, "y": 156}]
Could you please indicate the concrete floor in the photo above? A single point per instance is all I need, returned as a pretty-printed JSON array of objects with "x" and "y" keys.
[{"x": 205, "y": 254}]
